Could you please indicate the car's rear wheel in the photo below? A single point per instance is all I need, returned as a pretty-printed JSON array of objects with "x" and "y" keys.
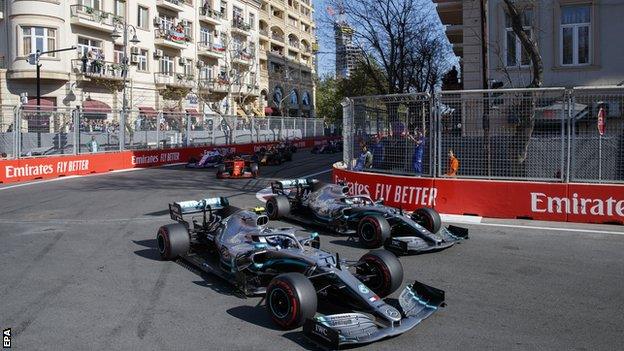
[
  {"x": 173, "y": 240},
  {"x": 373, "y": 231},
  {"x": 428, "y": 218},
  {"x": 254, "y": 170},
  {"x": 220, "y": 171},
  {"x": 277, "y": 206},
  {"x": 382, "y": 272},
  {"x": 291, "y": 299}
]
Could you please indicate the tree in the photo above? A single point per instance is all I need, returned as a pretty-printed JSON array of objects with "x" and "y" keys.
[
  {"x": 401, "y": 39},
  {"x": 328, "y": 100}
]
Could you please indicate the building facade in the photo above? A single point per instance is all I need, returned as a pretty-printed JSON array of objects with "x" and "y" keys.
[
  {"x": 347, "y": 53},
  {"x": 579, "y": 41},
  {"x": 287, "y": 45},
  {"x": 191, "y": 54}
]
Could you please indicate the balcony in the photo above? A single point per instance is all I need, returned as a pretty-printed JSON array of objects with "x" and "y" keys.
[
  {"x": 210, "y": 16},
  {"x": 89, "y": 17},
  {"x": 173, "y": 80},
  {"x": 294, "y": 45},
  {"x": 277, "y": 37},
  {"x": 173, "y": 5},
  {"x": 94, "y": 70},
  {"x": 243, "y": 59},
  {"x": 240, "y": 27},
  {"x": 218, "y": 85},
  {"x": 264, "y": 33},
  {"x": 210, "y": 49},
  {"x": 171, "y": 39}
]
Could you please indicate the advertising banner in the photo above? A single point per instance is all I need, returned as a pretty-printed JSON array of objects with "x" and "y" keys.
[{"x": 588, "y": 203}]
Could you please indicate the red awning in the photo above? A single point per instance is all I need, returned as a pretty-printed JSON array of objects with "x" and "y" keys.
[
  {"x": 95, "y": 106},
  {"x": 193, "y": 112},
  {"x": 149, "y": 112},
  {"x": 46, "y": 104}
]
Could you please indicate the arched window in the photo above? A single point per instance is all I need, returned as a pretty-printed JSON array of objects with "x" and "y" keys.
[
  {"x": 305, "y": 100},
  {"x": 294, "y": 97},
  {"x": 278, "y": 95}
]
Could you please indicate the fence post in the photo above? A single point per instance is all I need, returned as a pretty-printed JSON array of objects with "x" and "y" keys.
[
  {"x": 122, "y": 130},
  {"x": 281, "y": 134},
  {"x": 564, "y": 118},
  {"x": 188, "y": 130},
  {"x": 347, "y": 127},
  {"x": 433, "y": 130},
  {"x": 17, "y": 132},
  {"x": 305, "y": 128},
  {"x": 158, "y": 117},
  {"x": 76, "y": 131}
]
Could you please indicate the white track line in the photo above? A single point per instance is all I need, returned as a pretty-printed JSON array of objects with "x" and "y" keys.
[
  {"x": 578, "y": 230},
  {"x": 85, "y": 175}
]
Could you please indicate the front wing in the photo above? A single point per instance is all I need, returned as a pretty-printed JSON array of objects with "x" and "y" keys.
[
  {"x": 416, "y": 245},
  {"x": 228, "y": 175},
  {"x": 418, "y": 301}
]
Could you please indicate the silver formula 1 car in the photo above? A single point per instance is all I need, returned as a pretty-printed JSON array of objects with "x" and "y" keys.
[
  {"x": 294, "y": 274},
  {"x": 329, "y": 205}
]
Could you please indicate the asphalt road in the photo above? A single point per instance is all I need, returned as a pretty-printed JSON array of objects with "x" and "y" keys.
[{"x": 80, "y": 271}]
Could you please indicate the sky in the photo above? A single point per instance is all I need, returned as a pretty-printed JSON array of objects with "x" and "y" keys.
[{"x": 325, "y": 35}]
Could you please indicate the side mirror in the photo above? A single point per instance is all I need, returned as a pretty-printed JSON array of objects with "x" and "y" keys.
[{"x": 380, "y": 201}]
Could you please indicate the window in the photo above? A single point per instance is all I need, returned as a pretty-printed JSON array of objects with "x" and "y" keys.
[
  {"x": 188, "y": 67},
  {"x": 224, "y": 9},
  {"x": 205, "y": 73},
  {"x": 166, "y": 65},
  {"x": 205, "y": 35},
  {"x": 188, "y": 28},
  {"x": 166, "y": 22},
  {"x": 39, "y": 38},
  {"x": 142, "y": 58},
  {"x": 86, "y": 45},
  {"x": 575, "y": 35},
  {"x": 94, "y": 4},
  {"x": 515, "y": 55},
  {"x": 252, "y": 21},
  {"x": 118, "y": 54},
  {"x": 143, "y": 18},
  {"x": 120, "y": 8},
  {"x": 292, "y": 21}
]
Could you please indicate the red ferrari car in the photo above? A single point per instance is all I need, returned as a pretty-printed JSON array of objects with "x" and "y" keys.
[{"x": 237, "y": 168}]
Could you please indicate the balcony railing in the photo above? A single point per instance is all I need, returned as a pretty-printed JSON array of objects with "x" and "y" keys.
[
  {"x": 264, "y": 32},
  {"x": 278, "y": 37},
  {"x": 172, "y": 35},
  {"x": 211, "y": 13},
  {"x": 98, "y": 69},
  {"x": 94, "y": 15},
  {"x": 294, "y": 44},
  {"x": 174, "y": 79},
  {"x": 213, "y": 47},
  {"x": 239, "y": 23}
]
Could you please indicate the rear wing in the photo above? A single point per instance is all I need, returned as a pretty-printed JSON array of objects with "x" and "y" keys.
[
  {"x": 177, "y": 210},
  {"x": 299, "y": 185}
]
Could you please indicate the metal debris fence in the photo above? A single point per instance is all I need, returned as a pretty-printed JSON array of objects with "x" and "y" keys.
[
  {"x": 547, "y": 134},
  {"x": 27, "y": 131}
]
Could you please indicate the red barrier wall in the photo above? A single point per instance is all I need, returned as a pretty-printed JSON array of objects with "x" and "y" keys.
[
  {"x": 588, "y": 203},
  {"x": 57, "y": 166}
]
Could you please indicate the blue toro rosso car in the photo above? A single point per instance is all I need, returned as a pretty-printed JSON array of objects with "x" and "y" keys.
[
  {"x": 295, "y": 275},
  {"x": 312, "y": 202}
]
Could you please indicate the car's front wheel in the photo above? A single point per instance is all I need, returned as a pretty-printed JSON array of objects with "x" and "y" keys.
[
  {"x": 173, "y": 240},
  {"x": 291, "y": 299},
  {"x": 373, "y": 231},
  {"x": 428, "y": 218},
  {"x": 382, "y": 270}
]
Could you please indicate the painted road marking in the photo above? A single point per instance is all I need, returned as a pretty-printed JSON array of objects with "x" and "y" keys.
[
  {"x": 83, "y": 176},
  {"x": 577, "y": 230}
]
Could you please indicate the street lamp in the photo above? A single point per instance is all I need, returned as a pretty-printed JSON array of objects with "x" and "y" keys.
[{"x": 123, "y": 29}]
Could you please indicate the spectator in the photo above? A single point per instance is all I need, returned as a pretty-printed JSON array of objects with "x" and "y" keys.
[
  {"x": 453, "y": 164},
  {"x": 84, "y": 60},
  {"x": 93, "y": 145},
  {"x": 419, "y": 150},
  {"x": 377, "y": 150},
  {"x": 365, "y": 160}
]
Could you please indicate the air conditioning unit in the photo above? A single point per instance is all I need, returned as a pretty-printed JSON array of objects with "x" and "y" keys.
[
  {"x": 135, "y": 50},
  {"x": 200, "y": 64},
  {"x": 157, "y": 21},
  {"x": 182, "y": 61},
  {"x": 158, "y": 53},
  {"x": 134, "y": 59}
]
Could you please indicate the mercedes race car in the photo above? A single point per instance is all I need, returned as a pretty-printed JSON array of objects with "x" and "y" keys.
[
  {"x": 238, "y": 167},
  {"x": 329, "y": 205},
  {"x": 294, "y": 274},
  {"x": 209, "y": 159}
]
